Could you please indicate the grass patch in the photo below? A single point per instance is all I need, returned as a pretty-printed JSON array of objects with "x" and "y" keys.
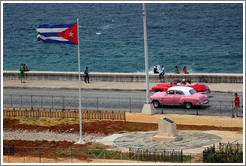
[{"x": 49, "y": 121}]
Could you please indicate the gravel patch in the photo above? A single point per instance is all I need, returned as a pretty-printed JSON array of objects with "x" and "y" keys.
[{"x": 48, "y": 136}]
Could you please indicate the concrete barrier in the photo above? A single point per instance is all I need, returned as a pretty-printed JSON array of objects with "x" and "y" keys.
[{"x": 125, "y": 77}]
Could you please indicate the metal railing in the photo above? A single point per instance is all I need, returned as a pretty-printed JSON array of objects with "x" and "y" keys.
[
  {"x": 157, "y": 155},
  {"x": 128, "y": 104},
  {"x": 80, "y": 155},
  {"x": 227, "y": 153},
  {"x": 70, "y": 102}
]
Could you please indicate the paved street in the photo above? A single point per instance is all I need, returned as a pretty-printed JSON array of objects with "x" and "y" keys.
[{"x": 131, "y": 101}]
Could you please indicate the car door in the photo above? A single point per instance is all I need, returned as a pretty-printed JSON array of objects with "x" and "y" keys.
[
  {"x": 178, "y": 95},
  {"x": 168, "y": 98}
]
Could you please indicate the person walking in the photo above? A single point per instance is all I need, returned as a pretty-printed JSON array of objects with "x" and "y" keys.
[
  {"x": 161, "y": 75},
  {"x": 236, "y": 105},
  {"x": 86, "y": 72},
  {"x": 22, "y": 73}
]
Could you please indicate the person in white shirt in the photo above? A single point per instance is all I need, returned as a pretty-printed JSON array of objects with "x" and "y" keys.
[{"x": 161, "y": 75}]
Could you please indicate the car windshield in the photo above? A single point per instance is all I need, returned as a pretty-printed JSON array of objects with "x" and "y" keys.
[{"x": 192, "y": 91}]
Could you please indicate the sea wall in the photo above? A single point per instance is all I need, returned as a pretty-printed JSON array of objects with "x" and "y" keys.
[{"x": 125, "y": 77}]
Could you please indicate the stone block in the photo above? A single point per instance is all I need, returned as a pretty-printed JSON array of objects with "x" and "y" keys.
[{"x": 166, "y": 131}]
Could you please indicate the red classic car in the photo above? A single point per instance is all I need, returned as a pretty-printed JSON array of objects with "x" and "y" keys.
[{"x": 198, "y": 87}]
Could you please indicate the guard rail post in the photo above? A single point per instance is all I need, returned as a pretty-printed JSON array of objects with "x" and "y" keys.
[
  {"x": 21, "y": 101},
  {"x": 220, "y": 107},
  {"x": 197, "y": 112},
  {"x": 52, "y": 105},
  {"x": 63, "y": 104},
  {"x": 232, "y": 111},
  {"x": 31, "y": 103},
  {"x": 11, "y": 101},
  {"x": 41, "y": 101},
  {"x": 97, "y": 103},
  {"x": 130, "y": 103}
]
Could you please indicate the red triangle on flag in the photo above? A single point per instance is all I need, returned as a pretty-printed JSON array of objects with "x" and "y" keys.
[{"x": 70, "y": 34}]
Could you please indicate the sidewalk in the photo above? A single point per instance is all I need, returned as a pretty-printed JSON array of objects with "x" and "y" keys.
[
  {"x": 118, "y": 86},
  {"x": 218, "y": 121}
]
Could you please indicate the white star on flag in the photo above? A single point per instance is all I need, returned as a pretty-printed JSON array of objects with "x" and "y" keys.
[{"x": 70, "y": 34}]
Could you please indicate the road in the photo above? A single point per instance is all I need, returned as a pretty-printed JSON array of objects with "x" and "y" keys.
[{"x": 132, "y": 101}]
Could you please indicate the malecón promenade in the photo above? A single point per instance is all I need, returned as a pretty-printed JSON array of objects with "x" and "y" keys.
[
  {"x": 130, "y": 99},
  {"x": 118, "y": 81}
]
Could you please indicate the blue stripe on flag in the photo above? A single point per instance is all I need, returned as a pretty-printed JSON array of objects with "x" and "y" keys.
[
  {"x": 55, "y": 25},
  {"x": 54, "y": 41}
]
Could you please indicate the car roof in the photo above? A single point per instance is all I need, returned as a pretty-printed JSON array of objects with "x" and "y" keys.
[{"x": 184, "y": 88}]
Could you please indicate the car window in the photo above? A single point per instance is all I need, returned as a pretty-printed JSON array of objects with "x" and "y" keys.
[
  {"x": 192, "y": 91},
  {"x": 179, "y": 93},
  {"x": 170, "y": 92}
]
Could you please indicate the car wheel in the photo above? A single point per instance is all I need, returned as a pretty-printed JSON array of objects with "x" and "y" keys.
[
  {"x": 158, "y": 90},
  {"x": 188, "y": 105},
  {"x": 156, "y": 104}
]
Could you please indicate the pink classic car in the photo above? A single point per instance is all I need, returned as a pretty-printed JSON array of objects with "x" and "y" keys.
[{"x": 179, "y": 95}]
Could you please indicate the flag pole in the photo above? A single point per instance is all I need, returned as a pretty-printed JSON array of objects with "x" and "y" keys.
[
  {"x": 146, "y": 54},
  {"x": 80, "y": 114}
]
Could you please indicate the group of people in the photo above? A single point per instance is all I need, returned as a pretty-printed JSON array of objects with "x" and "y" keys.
[
  {"x": 23, "y": 68},
  {"x": 176, "y": 70},
  {"x": 162, "y": 71},
  {"x": 161, "y": 74}
]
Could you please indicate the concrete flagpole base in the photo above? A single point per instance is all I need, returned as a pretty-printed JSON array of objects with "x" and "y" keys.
[
  {"x": 80, "y": 142},
  {"x": 148, "y": 109}
]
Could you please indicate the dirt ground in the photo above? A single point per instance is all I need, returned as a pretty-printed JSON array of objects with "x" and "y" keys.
[
  {"x": 107, "y": 127},
  {"x": 223, "y": 121},
  {"x": 134, "y": 122}
]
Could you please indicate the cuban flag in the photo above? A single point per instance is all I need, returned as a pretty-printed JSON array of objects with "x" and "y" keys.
[{"x": 60, "y": 33}]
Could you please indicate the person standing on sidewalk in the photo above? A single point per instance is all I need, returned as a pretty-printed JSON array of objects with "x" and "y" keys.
[
  {"x": 236, "y": 105},
  {"x": 22, "y": 73},
  {"x": 86, "y": 72}
]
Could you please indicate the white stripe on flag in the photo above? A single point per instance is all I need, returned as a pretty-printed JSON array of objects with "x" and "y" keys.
[
  {"x": 52, "y": 38},
  {"x": 50, "y": 30}
]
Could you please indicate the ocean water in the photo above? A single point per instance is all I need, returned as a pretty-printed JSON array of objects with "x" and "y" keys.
[{"x": 204, "y": 37}]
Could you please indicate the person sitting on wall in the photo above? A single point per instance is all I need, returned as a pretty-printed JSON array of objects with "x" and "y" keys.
[
  {"x": 176, "y": 70},
  {"x": 161, "y": 75},
  {"x": 156, "y": 70},
  {"x": 185, "y": 70},
  {"x": 183, "y": 82}
]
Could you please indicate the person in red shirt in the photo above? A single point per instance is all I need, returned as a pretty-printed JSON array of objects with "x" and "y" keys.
[
  {"x": 236, "y": 105},
  {"x": 185, "y": 70},
  {"x": 183, "y": 82}
]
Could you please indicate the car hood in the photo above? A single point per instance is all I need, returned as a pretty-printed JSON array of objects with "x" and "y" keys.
[{"x": 158, "y": 94}]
